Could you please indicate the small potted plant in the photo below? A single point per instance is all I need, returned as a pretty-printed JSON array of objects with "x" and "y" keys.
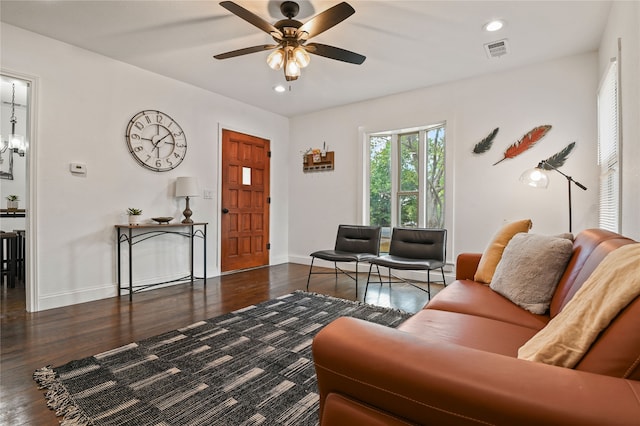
[
  {"x": 134, "y": 216},
  {"x": 12, "y": 202}
]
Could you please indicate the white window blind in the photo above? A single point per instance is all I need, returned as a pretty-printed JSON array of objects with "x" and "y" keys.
[{"x": 608, "y": 151}]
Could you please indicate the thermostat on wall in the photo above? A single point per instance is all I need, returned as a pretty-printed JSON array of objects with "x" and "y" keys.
[{"x": 78, "y": 168}]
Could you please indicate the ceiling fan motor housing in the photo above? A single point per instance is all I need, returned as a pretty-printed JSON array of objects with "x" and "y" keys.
[{"x": 289, "y": 9}]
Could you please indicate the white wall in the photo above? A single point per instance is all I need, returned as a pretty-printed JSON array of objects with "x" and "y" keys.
[
  {"x": 85, "y": 102},
  {"x": 624, "y": 23},
  {"x": 480, "y": 196}
]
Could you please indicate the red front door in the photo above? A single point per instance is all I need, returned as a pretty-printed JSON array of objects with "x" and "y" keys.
[{"x": 245, "y": 206}]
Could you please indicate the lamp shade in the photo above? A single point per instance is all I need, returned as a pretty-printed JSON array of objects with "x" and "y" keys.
[
  {"x": 535, "y": 177},
  {"x": 276, "y": 59},
  {"x": 187, "y": 187}
]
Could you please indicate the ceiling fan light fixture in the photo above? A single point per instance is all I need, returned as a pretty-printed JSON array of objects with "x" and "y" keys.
[
  {"x": 291, "y": 68},
  {"x": 301, "y": 56},
  {"x": 276, "y": 59}
]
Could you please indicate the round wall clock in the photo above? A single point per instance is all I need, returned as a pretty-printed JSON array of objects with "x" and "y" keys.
[{"x": 156, "y": 141}]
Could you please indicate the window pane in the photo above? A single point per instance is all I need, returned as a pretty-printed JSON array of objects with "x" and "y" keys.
[
  {"x": 435, "y": 178},
  {"x": 408, "y": 146},
  {"x": 608, "y": 151},
  {"x": 408, "y": 206},
  {"x": 380, "y": 181},
  {"x": 380, "y": 187}
]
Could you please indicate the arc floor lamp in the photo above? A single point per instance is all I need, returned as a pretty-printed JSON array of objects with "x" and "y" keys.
[{"x": 537, "y": 178}]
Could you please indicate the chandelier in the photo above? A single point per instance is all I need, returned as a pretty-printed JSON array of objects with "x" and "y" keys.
[{"x": 15, "y": 143}]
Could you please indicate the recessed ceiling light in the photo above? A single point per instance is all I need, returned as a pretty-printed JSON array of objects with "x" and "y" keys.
[
  {"x": 494, "y": 25},
  {"x": 279, "y": 88}
]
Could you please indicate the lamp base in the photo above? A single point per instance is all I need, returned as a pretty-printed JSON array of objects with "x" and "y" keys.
[{"x": 187, "y": 213}]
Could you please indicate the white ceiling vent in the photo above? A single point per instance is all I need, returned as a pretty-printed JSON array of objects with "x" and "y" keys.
[{"x": 495, "y": 49}]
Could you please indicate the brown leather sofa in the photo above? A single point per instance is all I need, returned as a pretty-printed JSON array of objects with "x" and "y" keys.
[{"x": 455, "y": 362}]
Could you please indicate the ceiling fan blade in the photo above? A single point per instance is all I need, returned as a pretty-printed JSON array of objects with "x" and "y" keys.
[
  {"x": 335, "y": 53},
  {"x": 245, "y": 51},
  {"x": 325, "y": 20},
  {"x": 250, "y": 17}
]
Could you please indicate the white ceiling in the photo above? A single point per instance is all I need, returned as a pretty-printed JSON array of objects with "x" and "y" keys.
[{"x": 408, "y": 44}]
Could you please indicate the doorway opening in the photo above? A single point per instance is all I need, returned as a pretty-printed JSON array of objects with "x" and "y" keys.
[{"x": 15, "y": 150}]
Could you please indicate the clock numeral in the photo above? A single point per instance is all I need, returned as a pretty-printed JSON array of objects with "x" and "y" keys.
[
  {"x": 175, "y": 154},
  {"x": 138, "y": 148},
  {"x": 159, "y": 118},
  {"x": 158, "y": 163},
  {"x": 177, "y": 135},
  {"x": 146, "y": 117},
  {"x": 139, "y": 125},
  {"x": 135, "y": 136},
  {"x": 180, "y": 145},
  {"x": 148, "y": 158},
  {"x": 168, "y": 160}
]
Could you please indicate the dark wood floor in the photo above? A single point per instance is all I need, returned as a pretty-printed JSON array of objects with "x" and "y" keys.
[{"x": 57, "y": 336}]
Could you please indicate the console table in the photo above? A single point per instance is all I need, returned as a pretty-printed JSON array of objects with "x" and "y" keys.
[
  {"x": 134, "y": 234},
  {"x": 13, "y": 213}
]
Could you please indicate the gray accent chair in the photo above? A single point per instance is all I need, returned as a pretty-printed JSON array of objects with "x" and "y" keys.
[
  {"x": 354, "y": 243},
  {"x": 413, "y": 249}
]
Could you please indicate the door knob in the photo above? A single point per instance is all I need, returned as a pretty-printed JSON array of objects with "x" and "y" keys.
[{"x": 225, "y": 211}]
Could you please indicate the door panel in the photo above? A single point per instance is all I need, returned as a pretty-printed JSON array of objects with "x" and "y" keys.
[{"x": 245, "y": 190}]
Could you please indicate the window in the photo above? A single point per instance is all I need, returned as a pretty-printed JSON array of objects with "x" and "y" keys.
[
  {"x": 406, "y": 179},
  {"x": 608, "y": 151}
]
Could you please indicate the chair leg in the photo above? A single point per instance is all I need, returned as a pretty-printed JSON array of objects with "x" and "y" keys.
[
  {"x": 335, "y": 270},
  {"x": 444, "y": 281},
  {"x": 366, "y": 288},
  {"x": 356, "y": 280},
  {"x": 429, "y": 283},
  {"x": 310, "y": 268}
]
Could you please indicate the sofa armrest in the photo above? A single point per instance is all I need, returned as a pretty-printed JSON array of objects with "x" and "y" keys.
[
  {"x": 425, "y": 381},
  {"x": 466, "y": 265}
]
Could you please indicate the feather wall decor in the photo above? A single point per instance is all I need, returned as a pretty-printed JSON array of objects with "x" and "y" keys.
[
  {"x": 485, "y": 144},
  {"x": 557, "y": 160},
  {"x": 526, "y": 142}
]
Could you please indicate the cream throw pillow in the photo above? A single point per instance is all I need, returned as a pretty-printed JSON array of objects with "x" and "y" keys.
[
  {"x": 493, "y": 252},
  {"x": 530, "y": 269}
]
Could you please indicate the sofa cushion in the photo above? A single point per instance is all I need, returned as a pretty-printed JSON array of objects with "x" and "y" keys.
[
  {"x": 530, "y": 269},
  {"x": 470, "y": 297},
  {"x": 493, "y": 252},
  {"x": 468, "y": 330},
  {"x": 589, "y": 249}
]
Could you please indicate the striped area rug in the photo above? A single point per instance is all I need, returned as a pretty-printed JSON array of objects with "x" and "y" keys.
[{"x": 252, "y": 366}]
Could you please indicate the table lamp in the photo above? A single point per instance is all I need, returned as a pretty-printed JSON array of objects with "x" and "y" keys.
[{"x": 187, "y": 187}]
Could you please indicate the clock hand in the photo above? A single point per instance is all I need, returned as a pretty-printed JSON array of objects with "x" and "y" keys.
[{"x": 155, "y": 145}]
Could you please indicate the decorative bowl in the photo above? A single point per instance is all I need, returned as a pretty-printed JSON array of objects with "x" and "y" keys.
[{"x": 162, "y": 219}]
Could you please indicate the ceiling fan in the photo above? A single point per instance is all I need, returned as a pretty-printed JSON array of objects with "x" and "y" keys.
[{"x": 292, "y": 50}]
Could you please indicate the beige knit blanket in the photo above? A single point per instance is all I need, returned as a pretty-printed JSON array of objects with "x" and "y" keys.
[{"x": 611, "y": 287}]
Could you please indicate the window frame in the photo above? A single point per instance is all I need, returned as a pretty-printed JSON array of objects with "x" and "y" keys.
[{"x": 395, "y": 172}]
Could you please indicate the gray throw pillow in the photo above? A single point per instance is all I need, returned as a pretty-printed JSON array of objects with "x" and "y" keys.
[{"x": 530, "y": 269}]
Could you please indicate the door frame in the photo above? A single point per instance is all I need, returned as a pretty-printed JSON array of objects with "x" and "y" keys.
[
  {"x": 218, "y": 237},
  {"x": 31, "y": 243}
]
